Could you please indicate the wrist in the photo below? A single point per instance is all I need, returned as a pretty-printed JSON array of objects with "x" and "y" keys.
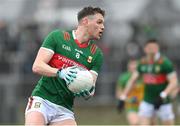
[
  {"x": 58, "y": 72},
  {"x": 163, "y": 94},
  {"x": 123, "y": 97}
]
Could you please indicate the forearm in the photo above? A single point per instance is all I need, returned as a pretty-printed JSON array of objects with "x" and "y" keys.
[
  {"x": 128, "y": 87},
  {"x": 44, "y": 69},
  {"x": 94, "y": 77},
  {"x": 170, "y": 88},
  {"x": 130, "y": 83},
  {"x": 173, "y": 84}
]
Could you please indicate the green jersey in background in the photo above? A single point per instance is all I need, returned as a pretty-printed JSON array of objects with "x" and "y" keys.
[{"x": 154, "y": 74}]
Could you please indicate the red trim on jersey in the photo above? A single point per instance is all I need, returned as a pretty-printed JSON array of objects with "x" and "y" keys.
[
  {"x": 66, "y": 36},
  {"x": 30, "y": 103},
  {"x": 81, "y": 45},
  {"x": 93, "y": 48},
  {"x": 154, "y": 79},
  {"x": 60, "y": 61}
]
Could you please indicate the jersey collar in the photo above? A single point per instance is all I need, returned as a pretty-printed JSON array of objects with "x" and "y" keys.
[
  {"x": 81, "y": 45},
  {"x": 157, "y": 56}
]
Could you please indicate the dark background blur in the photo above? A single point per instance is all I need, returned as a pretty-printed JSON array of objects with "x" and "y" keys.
[{"x": 128, "y": 24}]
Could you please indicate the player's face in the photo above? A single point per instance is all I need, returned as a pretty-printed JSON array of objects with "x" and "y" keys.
[
  {"x": 95, "y": 26},
  {"x": 132, "y": 66},
  {"x": 151, "y": 48}
]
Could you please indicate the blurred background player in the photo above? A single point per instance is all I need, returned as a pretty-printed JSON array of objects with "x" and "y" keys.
[
  {"x": 134, "y": 97},
  {"x": 160, "y": 81},
  {"x": 51, "y": 101}
]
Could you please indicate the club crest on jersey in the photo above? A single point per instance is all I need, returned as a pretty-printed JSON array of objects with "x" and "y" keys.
[
  {"x": 89, "y": 60},
  {"x": 37, "y": 105},
  {"x": 66, "y": 47}
]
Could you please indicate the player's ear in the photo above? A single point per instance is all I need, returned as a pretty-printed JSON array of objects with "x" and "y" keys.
[{"x": 84, "y": 21}]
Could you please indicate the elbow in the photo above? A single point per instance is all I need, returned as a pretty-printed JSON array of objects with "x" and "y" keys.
[{"x": 35, "y": 68}]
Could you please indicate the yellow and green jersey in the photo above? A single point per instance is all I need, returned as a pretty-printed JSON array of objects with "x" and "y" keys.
[
  {"x": 154, "y": 74},
  {"x": 136, "y": 94},
  {"x": 67, "y": 52}
]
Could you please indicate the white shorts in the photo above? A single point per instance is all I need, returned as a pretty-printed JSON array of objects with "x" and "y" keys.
[
  {"x": 50, "y": 111},
  {"x": 165, "y": 111}
]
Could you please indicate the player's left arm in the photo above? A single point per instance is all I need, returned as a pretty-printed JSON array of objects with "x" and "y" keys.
[
  {"x": 94, "y": 77},
  {"x": 172, "y": 85},
  {"x": 97, "y": 63},
  {"x": 172, "y": 79}
]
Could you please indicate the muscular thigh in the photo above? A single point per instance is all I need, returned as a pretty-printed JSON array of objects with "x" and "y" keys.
[{"x": 34, "y": 118}]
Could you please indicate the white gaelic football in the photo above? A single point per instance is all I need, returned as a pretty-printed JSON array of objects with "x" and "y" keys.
[{"x": 83, "y": 80}]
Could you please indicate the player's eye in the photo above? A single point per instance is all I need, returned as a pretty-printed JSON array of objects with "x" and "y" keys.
[{"x": 99, "y": 22}]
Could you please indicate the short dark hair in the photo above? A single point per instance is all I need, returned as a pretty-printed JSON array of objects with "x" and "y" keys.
[
  {"x": 153, "y": 40},
  {"x": 86, "y": 11}
]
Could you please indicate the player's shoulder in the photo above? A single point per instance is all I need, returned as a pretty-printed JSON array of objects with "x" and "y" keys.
[
  {"x": 142, "y": 60},
  {"x": 125, "y": 74},
  {"x": 65, "y": 34},
  {"x": 56, "y": 31},
  {"x": 166, "y": 60},
  {"x": 60, "y": 32},
  {"x": 94, "y": 48}
]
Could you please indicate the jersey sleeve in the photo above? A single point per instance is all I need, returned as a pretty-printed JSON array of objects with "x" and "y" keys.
[
  {"x": 97, "y": 62},
  {"x": 122, "y": 80},
  {"x": 168, "y": 66},
  {"x": 50, "y": 41}
]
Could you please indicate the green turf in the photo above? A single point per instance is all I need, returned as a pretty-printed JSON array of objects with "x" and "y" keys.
[
  {"x": 102, "y": 115},
  {"x": 95, "y": 115}
]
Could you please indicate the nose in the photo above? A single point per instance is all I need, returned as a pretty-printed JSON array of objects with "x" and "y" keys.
[{"x": 102, "y": 28}]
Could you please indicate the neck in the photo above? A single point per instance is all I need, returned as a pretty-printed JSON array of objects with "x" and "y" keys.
[
  {"x": 82, "y": 34},
  {"x": 154, "y": 57}
]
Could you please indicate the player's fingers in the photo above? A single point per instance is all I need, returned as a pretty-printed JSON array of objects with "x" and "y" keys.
[
  {"x": 92, "y": 89},
  {"x": 72, "y": 75},
  {"x": 87, "y": 92},
  {"x": 77, "y": 94},
  {"x": 74, "y": 71},
  {"x": 68, "y": 77},
  {"x": 67, "y": 81}
]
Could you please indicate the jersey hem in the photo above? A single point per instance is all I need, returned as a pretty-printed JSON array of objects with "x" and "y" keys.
[
  {"x": 38, "y": 95},
  {"x": 50, "y": 50}
]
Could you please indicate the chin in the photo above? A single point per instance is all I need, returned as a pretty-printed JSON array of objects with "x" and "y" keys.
[{"x": 97, "y": 38}]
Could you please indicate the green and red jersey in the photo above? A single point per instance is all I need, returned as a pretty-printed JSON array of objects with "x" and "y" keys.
[
  {"x": 155, "y": 76},
  {"x": 67, "y": 52}
]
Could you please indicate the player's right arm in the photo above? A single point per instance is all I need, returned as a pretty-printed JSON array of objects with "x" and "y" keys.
[
  {"x": 45, "y": 54},
  {"x": 129, "y": 85},
  {"x": 41, "y": 66}
]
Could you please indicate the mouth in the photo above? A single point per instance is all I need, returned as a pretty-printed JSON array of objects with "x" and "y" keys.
[{"x": 100, "y": 33}]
